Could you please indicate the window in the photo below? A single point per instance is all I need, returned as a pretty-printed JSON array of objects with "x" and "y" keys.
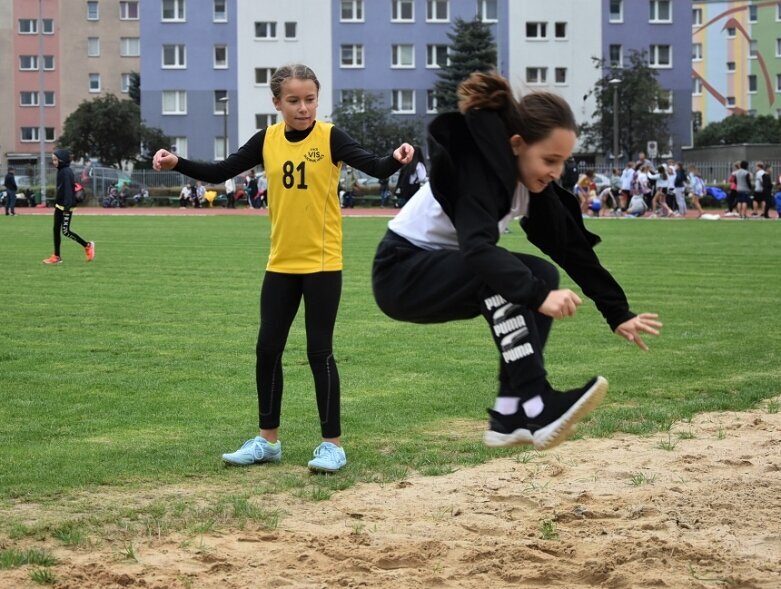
[
  {"x": 437, "y": 10},
  {"x": 403, "y": 101},
  {"x": 263, "y": 75},
  {"x": 220, "y": 57},
  {"x": 696, "y": 17},
  {"x": 560, "y": 30},
  {"x": 290, "y": 30},
  {"x": 174, "y": 57},
  {"x": 129, "y": 47},
  {"x": 48, "y": 62},
  {"x": 664, "y": 102},
  {"x": 778, "y": 82},
  {"x": 94, "y": 82},
  {"x": 696, "y": 51},
  {"x": 403, "y": 56},
  {"x": 730, "y": 66},
  {"x": 616, "y": 56},
  {"x": 355, "y": 99},
  {"x": 696, "y": 86},
  {"x": 616, "y": 13},
  {"x": 220, "y": 106},
  {"x": 174, "y": 102},
  {"x": 124, "y": 83},
  {"x": 660, "y": 11},
  {"x": 778, "y": 11},
  {"x": 28, "y": 26},
  {"x": 28, "y": 62},
  {"x": 128, "y": 11},
  {"x": 536, "y": 75},
  {"x": 173, "y": 10},
  {"x": 220, "y": 11},
  {"x": 488, "y": 10},
  {"x": 661, "y": 56},
  {"x": 536, "y": 30},
  {"x": 752, "y": 83},
  {"x": 752, "y": 49},
  {"x": 48, "y": 26},
  {"x": 731, "y": 32},
  {"x": 560, "y": 75},
  {"x": 264, "y": 120},
  {"x": 778, "y": 47},
  {"x": 432, "y": 105},
  {"x": 403, "y": 11},
  {"x": 179, "y": 146},
  {"x": 93, "y": 47},
  {"x": 220, "y": 153},
  {"x": 351, "y": 56},
  {"x": 92, "y": 11},
  {"x": 752, "y": 13},
  {"x": 352, "y": 11},
  {"x": 30, "y": 134},
  {"x": 31, "y": 98},
  {"x": 436, "y": 56},
  {"x": 730, "y": 101},
  {"x": 265, "y": 30}
]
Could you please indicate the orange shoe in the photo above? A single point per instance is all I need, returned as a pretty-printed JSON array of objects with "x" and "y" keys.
[
  {"x": 53, "y": 260},
  {"x": 90, "y": 251}
]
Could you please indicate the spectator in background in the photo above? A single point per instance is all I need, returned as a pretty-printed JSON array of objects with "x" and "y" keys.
[
  {"x": 230, "y": 193},
  {"x": 349, "y": 185},
  {"x": 627, "y": 177},
  {"x": 743, "y": 187},
  {"x": 184, "y": 195},
  {"x": 251, "y": 189},
  {"x": 763, "y": 191},
  {"x": 696, "y": 188},
  {"x": 384, "y": 192},
  {"x": 262, "y": 189},
  {"x": 679, "y": 187},
  {"x": 583, "y": 190},
  {"x": 411, "y": 176},
  {"x": 10, "y": 193},
  {"x": 732, "y": 194}
]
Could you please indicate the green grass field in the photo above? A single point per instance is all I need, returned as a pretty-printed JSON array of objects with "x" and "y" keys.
[{"x": 138, "y": 369}]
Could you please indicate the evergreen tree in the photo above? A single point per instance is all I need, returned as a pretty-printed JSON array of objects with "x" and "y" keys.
[
  {"x": 639, "y": 96},
  {"x": 473, "y": 49}
]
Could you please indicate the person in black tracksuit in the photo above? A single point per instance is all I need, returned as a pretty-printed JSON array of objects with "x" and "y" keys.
[
  {"x": 64, "y": 203},
  {"x": 495, "y": 161}
]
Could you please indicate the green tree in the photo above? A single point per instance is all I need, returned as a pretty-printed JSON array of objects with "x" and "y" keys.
[
  {"x": 371, "y": 125},
  {"x": 639, "y": 96},
  {"x": 110, "y": 130},
  {"x": 740, "y": 128},
  {"x": 473, "y": 49},
  {"x": 134, "y": 89},
  {"x": 152, "y": 139}
]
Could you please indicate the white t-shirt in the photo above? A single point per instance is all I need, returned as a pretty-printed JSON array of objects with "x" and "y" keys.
[{"x": 423, "y": 223}]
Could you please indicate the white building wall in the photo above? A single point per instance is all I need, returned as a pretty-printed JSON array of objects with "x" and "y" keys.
[
  {"x": 582, "y": 42},
  {"x": 312, "y": 46}
]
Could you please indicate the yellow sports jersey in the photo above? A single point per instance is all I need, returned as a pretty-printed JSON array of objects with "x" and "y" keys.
[{"x": 303, "y": 201}]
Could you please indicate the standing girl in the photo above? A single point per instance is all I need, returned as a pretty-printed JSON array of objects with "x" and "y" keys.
[
  {"x": 495, "y": 160},
  {"x": 64, "y": 202},
  {"x": 302, "y": 159}
]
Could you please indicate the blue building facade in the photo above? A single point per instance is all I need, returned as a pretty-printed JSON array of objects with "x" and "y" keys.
[
  {"x": 188, "y": 62},
  {"x": 662, "y": 29}
]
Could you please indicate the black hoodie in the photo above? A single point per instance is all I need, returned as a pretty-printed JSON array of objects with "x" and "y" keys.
[
  {"x": 473, "y": 177},
  {"x": 65, "y": 180}
]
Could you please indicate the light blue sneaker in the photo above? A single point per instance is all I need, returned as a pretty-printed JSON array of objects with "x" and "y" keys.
[
  {"x": 328, "y": 458},
  {"x": 255, "y": 451}
]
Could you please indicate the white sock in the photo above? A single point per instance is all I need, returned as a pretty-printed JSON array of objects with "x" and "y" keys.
[
  {"x": 506, "y": 405},
  {"x": 533, "y": 407}
]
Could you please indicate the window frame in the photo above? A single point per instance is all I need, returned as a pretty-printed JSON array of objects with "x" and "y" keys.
[
  {"x": 398, "y": 98},
  {"x": 697, "y": 86},
  {"x": 356, "y": 9},
  {"x": 124, "y": 9},
  {"x": 48, "y": 135},
  {"x": 269, "y": 71},
  {"x": 357, "y": 56},
  {"x": 432, "y": 12},
  {"x": 484, "y": 7},
  {"x": 668, "y": 110},
  {"x": 399, "y": 52},
  {"x": 556, "y": 36},
  {"x": 33, "y": 63},
  {"x": 94, "y": 77},
  {"x": 270, "y": 30},
  {"x": 224, "y": 12},
  {"x": 697, "y": 52},
  {"x": 93, "y": 10},
  {"x": 271, "y": 118},
  {"x": 180, "y": 106},
  {"x": 176, "y": 146},
  {"x": 432, "y": 104},
  {"x": 179, "y": 55},
  {"x": 751, "y": 80},
  {"x": 541, "y": 77},
  {"x": 433, "y": 51},
  {"x": 653, "y": 60},
  {"x": 398, "y": 8},
  {"x": 48, "y": 26},
  {"x": 220, "y": 107},
  {"x": 696, "y": 17},
  {"x": 654, "y": 18},
  {"x": 32, "y": 28},
  {"x": 556, "y": 71},
  {"x": 126, "y": 45},
  {"x": 353, "y": 98},
  {"x": 286, "y": 26},
  {"x": 124, "y": 82},
  {"x": 216, "y": 64},
  {"x": 93, "y": 46},
  {"x": 540, "y": 26},
  {"x": 620, "y": 62},
  {"x": 610, "y": 15},
  {"x": 179, "y": 9}
]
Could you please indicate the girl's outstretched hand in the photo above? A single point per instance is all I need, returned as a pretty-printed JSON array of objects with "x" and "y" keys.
[
  {"x": 560, "y": 303},
  {"x": 404, "y": 153},
  {"x": 643, "y": 323},
  {"x": 164, "y": 160}
]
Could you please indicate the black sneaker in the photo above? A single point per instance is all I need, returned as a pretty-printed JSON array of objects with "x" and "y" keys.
[
  {"x": 562, "y": 411},
  {"x": 505, "y": 431},
  {"x": 558, "y": 420}
]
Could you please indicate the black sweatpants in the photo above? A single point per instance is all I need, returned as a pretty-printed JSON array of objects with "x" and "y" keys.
[
  {"x": 62, "y": 224},
  {"x": 280, "y": 297},
  {"x": 422, "y": 286}
]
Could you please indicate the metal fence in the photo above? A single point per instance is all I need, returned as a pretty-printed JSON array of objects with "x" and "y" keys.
[{"x": 712, "y": 173}]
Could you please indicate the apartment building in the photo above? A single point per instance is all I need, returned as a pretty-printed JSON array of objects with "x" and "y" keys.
[
  {"x": 58, "y": 54},
  {"x": 736, "y": 59}
]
